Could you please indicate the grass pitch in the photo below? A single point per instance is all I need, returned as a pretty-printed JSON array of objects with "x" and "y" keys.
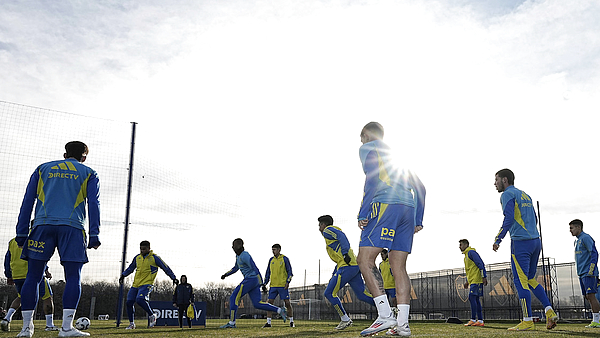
[{"x": 253, "y": 328}]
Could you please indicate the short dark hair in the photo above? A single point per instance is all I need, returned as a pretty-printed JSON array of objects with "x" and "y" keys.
[
  {"x": 464, "y": 241},
  {"x": 375, "y": 128},
  {"x": 76, "y": 149},
  {"x": 326, "y": 219},
  {"x": 238, "y": 240},
  {"x": 277, "y": 246},
  {"x": 510, "y": 176},
  {"x": 145, "y": 243},
  {"x": 577, "y": 223},
  {"x": 384, "y": 251}
]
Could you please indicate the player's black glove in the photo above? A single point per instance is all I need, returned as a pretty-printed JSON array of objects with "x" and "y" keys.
[
  {"x": 175, "y": 281},
  {"x": 94, "y": 242},
  {"x": 223, "y": 276},
  {"x": 264, "y": 288},
  {"x": 347, "y": 258},
  {"x": 121, "y": 279},
  {"x": 21, "y": 240}
]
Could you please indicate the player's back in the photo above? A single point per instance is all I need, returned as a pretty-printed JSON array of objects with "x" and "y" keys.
[
  {"x": 393, "y": 183},
  {"x": 61, "y": 192},
  {"x": 246, "y": 265},
  {"x": 472, "y": 271},
  {"x": 334, "y": 240},
  {"x": 386, "y": 273},
  {"x": 525, "y": 220}
]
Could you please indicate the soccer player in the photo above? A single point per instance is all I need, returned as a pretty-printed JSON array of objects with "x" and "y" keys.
[
  {"x": 521, "y": 221},
  {"x": 59, "y": 190},
  {"x": 250, "y": 285},
  {"x": 390, "y": 214},
  {"x": 279, "y": 272},
  {"x": 476, "y": 278},
  {"x": 15, "y": 270},
  {"x": 146, "y": 265},
  {"x": 346, "y": 271},
  {"x": 586, "y": 257},
  {"x": 389, "y": 283}
]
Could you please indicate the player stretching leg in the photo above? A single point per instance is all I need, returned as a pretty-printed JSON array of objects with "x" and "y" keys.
[
  {"x": 146, "y": 265},
  {"x": 391, "y": 213},
  {"x": 346, "y": 271},
  {"x": 250, "y": 285}
]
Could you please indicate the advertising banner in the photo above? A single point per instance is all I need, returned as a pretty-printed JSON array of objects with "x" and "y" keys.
[{"x": 167, "y": 315}]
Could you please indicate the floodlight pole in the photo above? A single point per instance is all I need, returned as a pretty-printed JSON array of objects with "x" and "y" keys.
[{"x": 126, "y": 226}]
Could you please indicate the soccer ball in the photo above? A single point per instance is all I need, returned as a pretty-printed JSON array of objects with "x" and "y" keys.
[{"x": 83, "y": 323}]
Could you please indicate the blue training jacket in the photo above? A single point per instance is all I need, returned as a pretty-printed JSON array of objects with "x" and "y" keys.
[
  {"x": 60, "y": 190},
  {"x": 387, "y": 183},
  {"x": 519, "y": 216},
  {"x": 586, "y": 255}
]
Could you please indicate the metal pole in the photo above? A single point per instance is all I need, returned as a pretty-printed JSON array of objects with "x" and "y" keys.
[
  {"x": 549, "y": 294},
  {"x": 319, "y": 272},
  {"x": 126, "y": 226},
  {"x": 305, "y": 279}
]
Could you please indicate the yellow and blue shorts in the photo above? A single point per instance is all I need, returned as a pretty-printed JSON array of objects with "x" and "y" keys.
[{"x": 390, "y": 226}]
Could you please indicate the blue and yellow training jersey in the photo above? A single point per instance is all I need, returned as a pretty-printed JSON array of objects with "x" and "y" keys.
[
  {"x": 586, "y": 255},
  {"x": 60, "y": 190},
  {"x": 279, "y": 271},
  {"x": 389, "y": 282},
  {"x": 474, "y": 267},
  {"x": 14, "y": 266},
  {"x": 387, "y": 183},
  {"x": 337, "y": 246},
  {"x": 519, "y": 216},
  {"x": 245, "y": 263},
  {"x": 146, "y": 268}
]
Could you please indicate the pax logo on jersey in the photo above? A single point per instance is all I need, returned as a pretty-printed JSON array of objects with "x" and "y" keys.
[
  {"x": 36, "y": 244},
  {"x": 388, "y": 232}
]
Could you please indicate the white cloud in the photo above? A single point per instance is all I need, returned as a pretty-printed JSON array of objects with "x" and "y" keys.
[{"x": 274, "y": 95}]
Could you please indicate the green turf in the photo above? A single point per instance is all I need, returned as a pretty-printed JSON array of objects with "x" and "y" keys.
[{"x": 252, "y": 328}]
